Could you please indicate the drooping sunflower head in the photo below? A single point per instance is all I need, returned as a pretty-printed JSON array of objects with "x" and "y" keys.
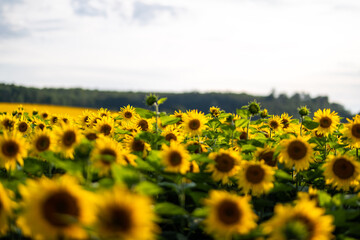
[
  {"x": 105, "y": 126},
  {"x": 327, "y": 120},
  {"x": 13, "y": 149},
  {"x": 42, "y": 141},
  {"x": 267, "y": 155},
  {"x": 107, "y": 151},
  {"x": 303, "y": 221},
  {"x": 124, "y": 215},
  {"x": 128, "y": 115},
  {"x": 342, "y": 171},
  {"x": 297, "y": 152},
  {"x": 256, "y": 177},
  {"x": 226, "y": 164},
  {"x": 352, "y": 132},
  {"x": 67, "y": 137},
  {"x": 6, "y": 208},
  {"x": 194, "y": 122},
  {"x": 175, "y": 158},
  {"x": 229, "y": 214},
  {"x": 54, "y": 208}
]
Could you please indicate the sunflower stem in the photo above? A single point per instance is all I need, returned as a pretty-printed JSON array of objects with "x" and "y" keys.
[
  {"x": 248, "y": 126},
  {"x": 302, "y": 119},
  {"x": 325, "y": 152},
  {"x": 357, "y": 153},
  {"x": 157, "y": 116}
]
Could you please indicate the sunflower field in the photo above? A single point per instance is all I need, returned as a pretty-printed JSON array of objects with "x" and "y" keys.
[{"x": 145, "y": 174}]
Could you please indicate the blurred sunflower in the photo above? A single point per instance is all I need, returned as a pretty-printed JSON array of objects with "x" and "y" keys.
[
  {"x": 23, "y": 126},
  {"x": 13, "y": 149},
  {"x": 128, "y": 115},
  {"x": 226, "y": 164},
  {"x": 107, "y": 151},
  {"x": 256, "y": 177},
  {"x": 67, "y": 137},
  {"x": 311, "y": 194},
  {"x": 44, "y": 115},
  {"x": 178, "y": 114},
  {"x": 286, "y": 122},
  {"x": 84, "y": 119},
  {"x": 304, "y": 221},
  {"x": 275, "y": 123},
  {"x": 194, "y": 122},
  {"x": 124, "y": 215},
  {"x": 241, "y": 134},
  {"x": 54, "y": 119},
  {"x": 297, "y": 152},
  {"x": 135, "y": 144},
  {"x": 127, "y": 158},
  {"x": 91, "y": 134},
  {"x": 327, "y": 120},
  {"x": 8, "y": 122},
  {"x": 172, "y": 132},
  {"x": 175, "y": 158},
  {"x": 352, "y": 132},
  {"x": 145, "y": 125},
  {"x": 39, "y": 124},
  {"x": 42, "y": 141},
  {"x": 342, "y": 171},
  {"x": 229, "y": 214},
  {"x": 214, "y": 111},
  {"x": 6, "y": 206},
  {"x": 105, "y": 126},
  {"x": 104, "y": 112},
  {"x": 196, "y": 146},
  {"x": 55, "y": 208},
  {"x": 267, "y": 155}
]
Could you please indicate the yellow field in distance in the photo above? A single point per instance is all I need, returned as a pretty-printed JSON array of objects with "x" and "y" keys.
[{"x": 51, "y": 109}]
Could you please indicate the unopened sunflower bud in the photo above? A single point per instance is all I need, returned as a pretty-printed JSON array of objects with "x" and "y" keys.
[
  {"x": 264, "y": 113},
  {"x": 151, "y": 100},
  {"x": 254, "y": 107},
  {"x": 303, "y": 111}
]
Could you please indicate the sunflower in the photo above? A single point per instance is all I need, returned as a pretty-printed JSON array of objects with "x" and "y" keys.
[
  {"x": 42, "y": 141},
  {"x": 107, "y": 151},
  {"x": 286, "y": 122},
  {"x": 54, "y": 119},
  {"x": 90, "y": 134},
  {"x": 352, "y": 131},
  {"x": 84, "y": 119},
  {"x": 128, "y": 115},
  {"x": 196, "y": 146},
  {"x": 175, "y": 158},
  {"x": 6, "y": 206},
  {"x": 312, "y": 194},
  {"x": 13, "y": 149},
  {"x": 8, "y": 122},
  {"x": 303, "y": 221},
  {"x": 44, "y": 115},
  {"x": 275, "y": 123},
  {"x": 267, "y": 155},
  {"x": 214, "y": 111},
  {"x": 104, "y": 112},
  {"x": 65, "y": 119},
  {"x": 178, "y": 114},
  {"x": 226, "y": 164},
  {"x": 229, "y": 214},
  {"x": 125, "y": 215},
  {"x": 127, "y": 158},
  {"x": 105, "y": 126},
  {"x": 241, "y": 134},
  {"x": 23, "y": 126},
  {"x": 342, "y": 171},
  {"x": 256, "y": 177},
  {"x": 55, "y": 208},
  {"x": 327, "y": 120},
  {"x": 39, "y": 124},
  {"x": 135, "y": 144},
  {"x": 172, "y": 133},
  {"x": 297, "y": 152},
  {"x": 67, "y": 138},
  {"x": 145, "y": 125},
  {"x": 194, "y": 122}
]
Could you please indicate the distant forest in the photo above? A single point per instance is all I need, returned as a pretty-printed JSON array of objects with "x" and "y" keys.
[{"x": 184, "y": 101}]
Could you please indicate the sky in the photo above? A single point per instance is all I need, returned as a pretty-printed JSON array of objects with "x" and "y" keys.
[{"x": 252, "y": 46}]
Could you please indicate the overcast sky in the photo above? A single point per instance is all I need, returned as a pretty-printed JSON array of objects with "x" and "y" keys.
[{"x": 252, "y": 46}]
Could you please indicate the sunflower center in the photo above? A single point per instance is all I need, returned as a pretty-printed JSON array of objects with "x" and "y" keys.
[
  {"x": 109, "y": 152},
  {"x": 59, "y": 209},
  {"x": 44, "y": 115},
  {"x": 343, "y": 168},
  {"x": 228, "y": 212},
  {"x": 54, "y": 120},
  {"x": 285, "y": 123},
  {"x": 8, "y": 124},
  {"x": 91, "y": 136},
  {"x": 69, "y": 138},
  {"x": 127, "y": 114},
  {"x": 325, "y": 122},
  {"x": 105, "y": 129},
  {"x": 268, "y": 157},
  {"x": 175, "y": 158},
  {"x": 65, "y": 120},
  {"x": 41, "y": 126},
  {"x": 355, "y": 130},
  {"x": 23, "y": 127},
  {"x": 10, "y": 148},
  {"x": 42, "y": 143},
  {"x": 86, "y": 119},
  {"x": 297, "y": 150},
  {"x": 194, "y": 124},
  {"x": 243, "y": 136},
  {"x": 144, "y": 125},
  {"x": 138, "y": 145},
  {"x": 119, "y": 219},
  {"x": 224, "y": 162},
  {"x": 170, "y": 136},
  {"x": 274, "y": 124},
  {"x": 255, "y": 174}
]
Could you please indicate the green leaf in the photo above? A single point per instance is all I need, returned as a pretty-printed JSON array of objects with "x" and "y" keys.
[
  {"x": 124, "y": 174},
  {"x": 200, "y": 212},
  {"x": 166, "y": 208},
  {"x": 168, "y": 120},
  {"x": 280, "y": 174},
  {"x": 162, "y": 100},
  {"x": 324, "y": 198},
  {"x": 144, "y": 113},
  {"x": 310, "y": 124},
  {"x": 244, "y": 113},
  {"x": 241, "y": 122},
  {"x": 148, "y": 188}
]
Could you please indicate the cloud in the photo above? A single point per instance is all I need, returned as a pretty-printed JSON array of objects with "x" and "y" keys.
[
  {"x": 145, "y": 13},
  {"x": 87, "y": 8},
  {"x": 7, "y": 29}
]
